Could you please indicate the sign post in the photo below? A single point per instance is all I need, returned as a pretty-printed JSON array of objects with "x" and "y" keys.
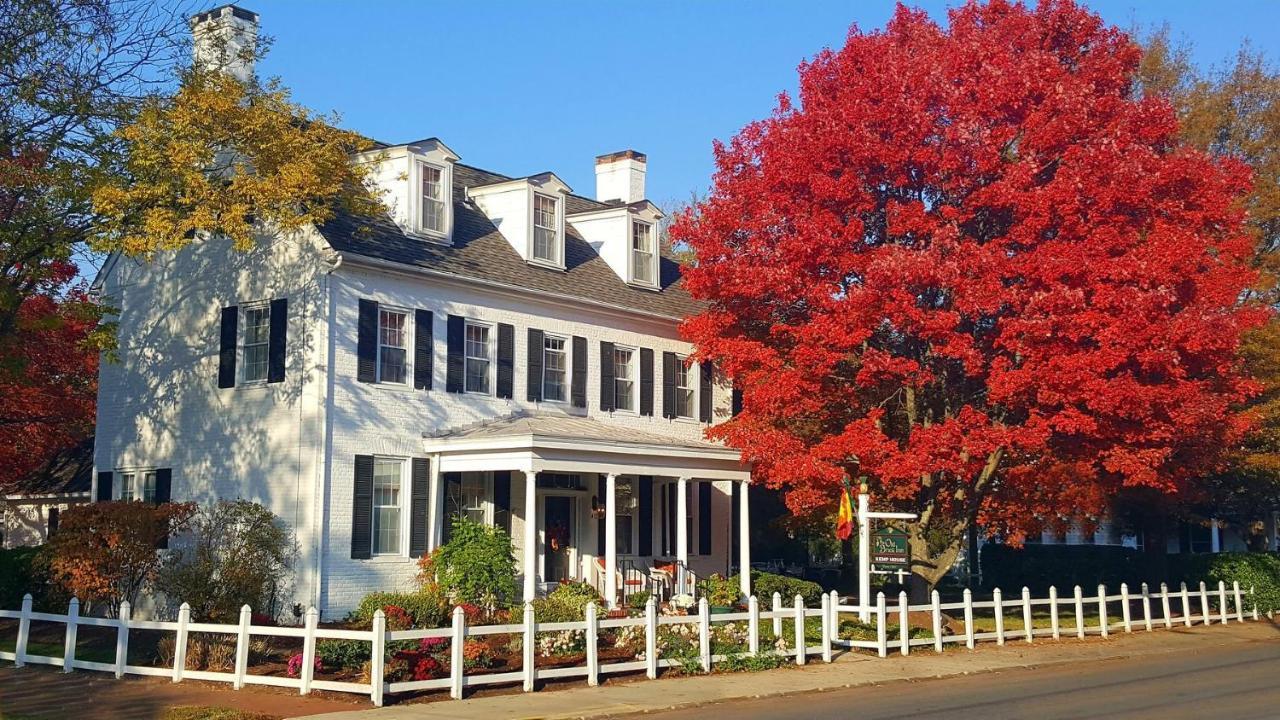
[{"x": 893, "y": 539}]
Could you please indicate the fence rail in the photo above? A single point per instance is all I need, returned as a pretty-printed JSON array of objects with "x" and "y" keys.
[{"x": 1165, "y": 608}]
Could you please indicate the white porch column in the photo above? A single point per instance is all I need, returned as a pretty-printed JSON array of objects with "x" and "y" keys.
[
  {"x": 530, "y": 536},
  {"x": 744, "y": 540},
  {"x": 682, "y": 530},
  {"x": 1215, "y": 537},
  {"x": 611, "y": 540}
]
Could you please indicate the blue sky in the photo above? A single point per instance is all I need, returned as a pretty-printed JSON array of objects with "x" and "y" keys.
[{"x": 520, "y": 88}]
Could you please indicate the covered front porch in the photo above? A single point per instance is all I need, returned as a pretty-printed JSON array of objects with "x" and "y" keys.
[{"x": 625, "y": 510}]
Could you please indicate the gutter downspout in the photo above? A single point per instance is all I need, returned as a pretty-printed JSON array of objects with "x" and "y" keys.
[{"x": 325, "y": 449}]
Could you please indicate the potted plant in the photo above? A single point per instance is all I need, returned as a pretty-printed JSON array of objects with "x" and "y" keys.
[{"x": 721, "y": 593}]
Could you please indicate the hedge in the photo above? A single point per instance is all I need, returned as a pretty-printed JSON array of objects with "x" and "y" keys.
[
  {"x": 1064, "y": 566},
  {"x": 764, "y": 585},
  {"x": 1261, "y": 571},
  {"x": 18, "y": 577}
]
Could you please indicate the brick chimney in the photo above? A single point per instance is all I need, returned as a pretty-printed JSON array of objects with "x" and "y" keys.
[
  {"x": 620, "y": 176},
  {"x": 226, "y": 38}
]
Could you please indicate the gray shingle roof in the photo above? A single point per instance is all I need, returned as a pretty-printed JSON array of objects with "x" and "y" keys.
[
  {"x": 570, "y": 427},
  {"x": 480, "y": 252},
  {"x": 68, "y": 471}
]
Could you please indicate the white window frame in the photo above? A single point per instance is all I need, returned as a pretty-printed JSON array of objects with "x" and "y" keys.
[
  {"x": 242, "y": 328},
  {"x": 127, "y": 475},
  {"x": 486, "y": 496},
  {"x": 691, "y": 378},
  {"x": 633, "y": 366},
  {"x": 408, "y": 343},
  {"x": 491, "y": 380},
  {"x": 403, "y": 550},
  {"x": 557, "y": 230},
  {"x": 415, "y": 224},
  {"x": 653, "y": 254},
  {"x": 564, "y": 351},
  {"x": 445, "y": 191}
]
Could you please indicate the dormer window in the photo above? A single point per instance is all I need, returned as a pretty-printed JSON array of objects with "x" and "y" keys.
[
  {"x": 546, "y": 241},
  {"x": 643, "y": 267},
  {"x": 432, "y": 181}
]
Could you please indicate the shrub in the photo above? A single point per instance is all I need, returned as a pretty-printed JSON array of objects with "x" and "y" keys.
[
  {"x": 639, "y": 598},
  {"x": 477, "y": 565},
  {"x": 1065, "y": 566},
  {"x": 1261, "y": 571},
  {"x": 240, "y": 554},
  {"x": 721, "y": 591},
  {"x": 295, "y": 665},
  {"x": 19, "y": 575},
  {"x": 764, "y": 585},
  {"x": 426, "y": 606},
  {"x": 567, "y": 603},
  {"x": 343, "y": 654},
  {"x": 427, "y": 668}
]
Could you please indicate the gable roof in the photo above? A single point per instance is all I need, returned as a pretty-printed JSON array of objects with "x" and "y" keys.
[
  {"x": 70, "y": 471},
  {"x": 480, "y": 252}
]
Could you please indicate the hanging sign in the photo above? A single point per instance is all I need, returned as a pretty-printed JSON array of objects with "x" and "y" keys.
[{"x": 889, "y": 547}]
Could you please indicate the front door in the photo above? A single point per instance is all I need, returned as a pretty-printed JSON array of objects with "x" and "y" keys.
[{"x": 558, "y": 531}]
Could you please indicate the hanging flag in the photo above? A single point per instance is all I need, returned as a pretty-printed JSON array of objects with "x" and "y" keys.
[{"x": 844, "y": 519}]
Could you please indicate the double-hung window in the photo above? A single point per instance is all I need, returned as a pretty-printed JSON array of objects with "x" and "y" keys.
[
  {"x": 388, "y": 478},
  {"x": 642, "y": 270},
  {"x": 474, "y": 495},
  {"x": 684, "y": 390},
  {"x": 253, "y": 350},
  {"x": 433, "y": 208},
  {"x": 139, "y": 485},
  {"x": 478, "y": 356},
  {"x": 624, "y": 379},
  {"x": 554, "y": 369},
  {"x": 545, "y": 229},
  {"x": 392, "y": 344}
]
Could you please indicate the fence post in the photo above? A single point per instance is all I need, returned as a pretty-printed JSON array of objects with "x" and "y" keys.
[
  {"x": 777, "y": 617},
  {"x": 704, "y": 633},
  {"x": 936, "y": 612},
  {"x": 968, "y": 618},
  {"x": 308, "y": 671},
  {"x": 1204, "y": 604},
  {"x": 826, "y": 628},
  {"x": 122, "y": 638},
  {"x": 904, "y": 634},
  {"x": 1186, "y": 606},
  {"x": 180, "y": 642},
  {"x": 1124, "y": 607},
  {"x": 1164, "y": 604},
  {"x": 1026, "y": 612},
  {"x": 459, "y": 637},
  {"x": 242, "y": 647},
  {"x": 1053, "y": 612},
  {"x": 1222, "y": 602},
  {"x": 24, "y": 632},
  {"x": 529, "y": 649},
  {"x": 1235, "y": 588},
  {"x": 1146, "y": 607},
  {"x": 593, "y": 646},
  {"x": 753, "y": 625},
  {"x": 651, "y": 637},
  {"x": 801, "y": 649},
  {"x": 997, "y": 600},
  {"x": 882, "y": 644},
  {"x": 1079, "y": 613},
  {"x": 1254, "y": 597},
  {"x": 69, "y": 644},
  {"x": 378, "y": 658},
  {"x": 1102, "y": 611}
]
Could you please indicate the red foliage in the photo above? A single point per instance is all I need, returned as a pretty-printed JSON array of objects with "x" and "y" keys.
[{"x": 974, "y": 244}]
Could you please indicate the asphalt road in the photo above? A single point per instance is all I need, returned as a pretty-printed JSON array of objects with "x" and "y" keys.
[{"x": 1238, "y": 682}]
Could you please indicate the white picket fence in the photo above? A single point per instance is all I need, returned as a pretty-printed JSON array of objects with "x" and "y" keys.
[{"x": 1212, "y": 605}]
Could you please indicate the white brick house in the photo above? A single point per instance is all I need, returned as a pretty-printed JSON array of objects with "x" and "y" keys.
[{"x": 497, "y": 347}]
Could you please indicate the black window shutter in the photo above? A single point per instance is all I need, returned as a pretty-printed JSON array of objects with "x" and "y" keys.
[
  {"x": 644, "y": 507},
  {"x": 455, "y": 368},
  {"x": 537, "y": 341},
  {"x": 646, "y": 382},
  {"x": 603, "y": 498},
  {"x": 362, "y": 509},
  {"x": 367, "y": 343},
  {"x": 104, "y": 487},
  {"x": 736, "y": 401},
  {"x": 502, "y": 500},
  {"x": 608, "y": 402},
  {"x": 419, "y": 494},
  {"x": 704, "y": 518},
  {"x": 579, "y": 383},
  {"x": 506, "y": 360},
  {"x": 669, "y": 365},
  {"x": 53, "y": 521},
  {"x": 276, "y": 339},
  {"x": 227, "y": 347},
  {"x": 704, "y": 394},
  {"x": 422, "y": 344},
  {"x": 164, "y": 493}
]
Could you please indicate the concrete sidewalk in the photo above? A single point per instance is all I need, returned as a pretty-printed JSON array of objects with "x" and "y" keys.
[{"x": 849, "y": 670}]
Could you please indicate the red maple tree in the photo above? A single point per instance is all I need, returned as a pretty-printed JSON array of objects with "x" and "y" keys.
[{"x": 974, "y": 265}]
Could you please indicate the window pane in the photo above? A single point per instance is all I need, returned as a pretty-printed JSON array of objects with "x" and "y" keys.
[
  {"x": 623, "y": 382},
  {"x": 386, "y": 506},
  {"x": 474, "y": 495},
  {"x": 544, "y": 228},
  {"x": 553, "y": 369},
  {"x": 126, "y": 486},
  {"x": 432, "y": 198},
  {"x": 392, "y": 339},
  {"x": 257, "y": 329},
  {"x": 149, "y": 487},
  {"x": 642, "y": 251},
  {"x": 477, "y": 355}
]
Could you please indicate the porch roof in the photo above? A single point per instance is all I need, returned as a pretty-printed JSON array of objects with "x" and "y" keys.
[{"x": 537, "y": 442}]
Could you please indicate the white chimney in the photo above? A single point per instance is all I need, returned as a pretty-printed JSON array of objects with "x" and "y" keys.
[
  {"x": 620, "y": 176},
  {"x": 226, "y": 38}
]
